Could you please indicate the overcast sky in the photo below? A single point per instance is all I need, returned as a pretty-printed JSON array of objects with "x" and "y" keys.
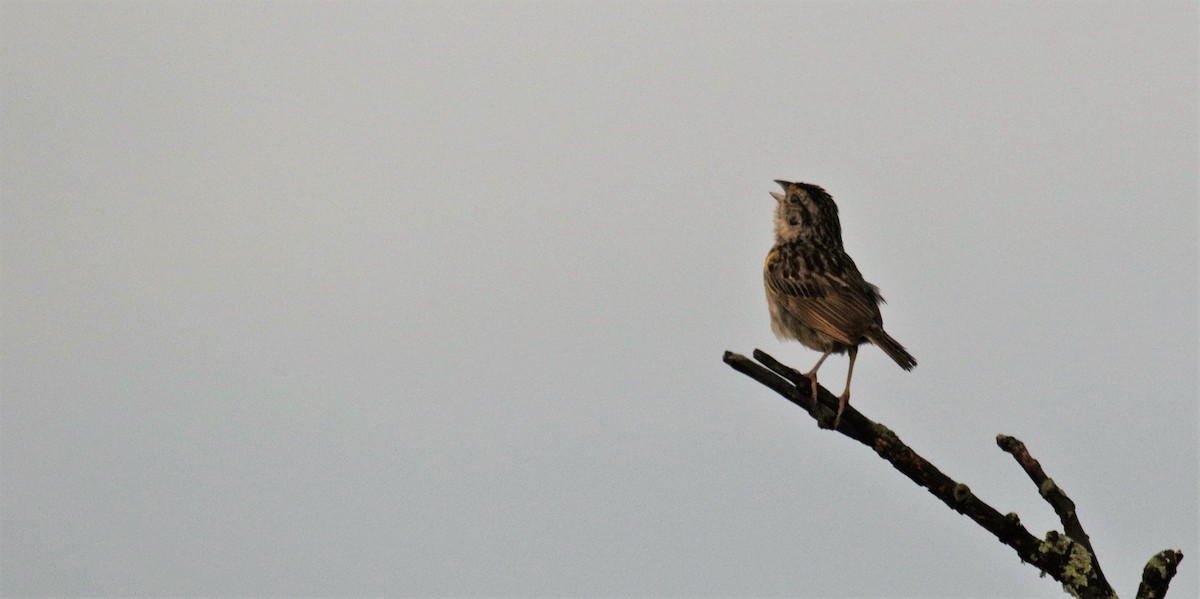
[{"x": 399, "y": 298}]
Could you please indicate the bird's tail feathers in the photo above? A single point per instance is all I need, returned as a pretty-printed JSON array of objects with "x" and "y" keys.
[{"x": 893, "y": 349}]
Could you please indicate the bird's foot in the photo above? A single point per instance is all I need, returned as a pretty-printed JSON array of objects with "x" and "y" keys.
[
  {"x": 812, "y": 377},
  {"x": 843, "y": 401}
]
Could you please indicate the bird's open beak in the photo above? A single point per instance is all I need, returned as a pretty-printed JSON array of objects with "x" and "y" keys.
[
  {"x": 783, "y": 184},
  {"x": 778, "y": 196}
]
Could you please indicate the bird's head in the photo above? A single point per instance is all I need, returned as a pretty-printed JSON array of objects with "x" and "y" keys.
[{"x": 805, "y": 212}]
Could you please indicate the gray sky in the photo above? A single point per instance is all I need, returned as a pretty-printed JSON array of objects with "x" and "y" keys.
[{"x": 430, "y": 298}]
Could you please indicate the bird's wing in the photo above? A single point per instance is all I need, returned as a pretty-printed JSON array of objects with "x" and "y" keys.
[{"x": 825, "y": 303}]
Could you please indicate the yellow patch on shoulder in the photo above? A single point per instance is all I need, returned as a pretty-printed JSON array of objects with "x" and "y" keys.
[{"x": 771, "y": 257}]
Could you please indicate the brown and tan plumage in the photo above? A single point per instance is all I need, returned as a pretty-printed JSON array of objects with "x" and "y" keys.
[{"x": 815, "y": 292}]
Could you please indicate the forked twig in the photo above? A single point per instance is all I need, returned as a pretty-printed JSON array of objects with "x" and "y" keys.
[{"x": 1067, "y": 558}]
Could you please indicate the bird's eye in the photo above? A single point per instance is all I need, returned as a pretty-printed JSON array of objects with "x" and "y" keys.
[{"x": 794, "y": 198}]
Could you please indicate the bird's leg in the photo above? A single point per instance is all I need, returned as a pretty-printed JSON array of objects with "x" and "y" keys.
[
  {"x": 812, "y": 376},
  {"x": 844, "y": 398}
]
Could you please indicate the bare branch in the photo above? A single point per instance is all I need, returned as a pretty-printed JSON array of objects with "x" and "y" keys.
[
  {"x": 1157, "y": 574},
  {"x": 1055, "y": 496},
  {"x": 1067, "y": 558}
]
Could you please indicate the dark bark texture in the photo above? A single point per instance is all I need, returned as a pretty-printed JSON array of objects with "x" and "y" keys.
[{"x": 1067, "y": 557}]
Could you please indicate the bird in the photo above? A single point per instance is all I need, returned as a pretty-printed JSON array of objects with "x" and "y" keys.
[{"x": 815, "y": 293}]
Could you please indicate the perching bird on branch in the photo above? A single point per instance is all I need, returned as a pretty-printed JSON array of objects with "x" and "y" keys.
[{"x": 814, "y": 290}]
